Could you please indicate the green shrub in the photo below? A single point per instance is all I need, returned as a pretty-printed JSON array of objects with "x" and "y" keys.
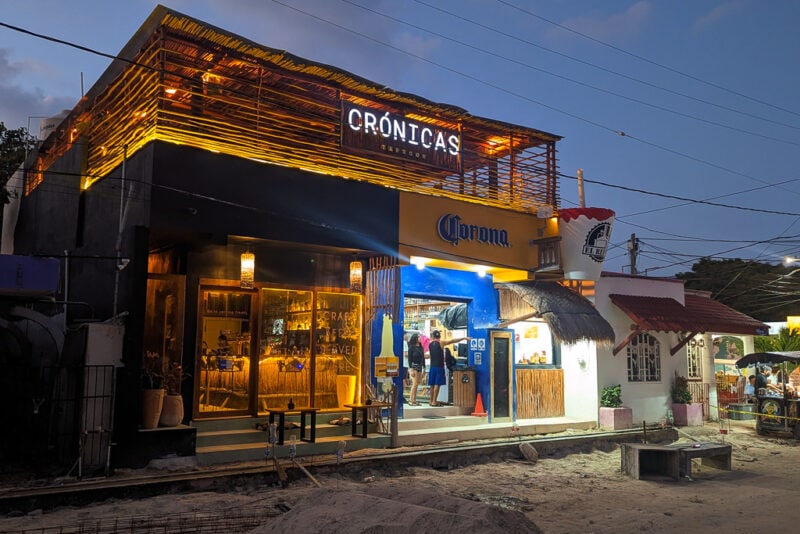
[
  {"x": 680, "y": 390},
  {"x": 611, "y": 396}
]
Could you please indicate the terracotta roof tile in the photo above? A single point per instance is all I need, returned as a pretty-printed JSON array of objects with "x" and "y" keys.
[{"x": 700, "y": 314}]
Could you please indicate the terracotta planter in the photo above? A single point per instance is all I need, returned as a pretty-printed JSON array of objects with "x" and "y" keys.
[
  {"x": 688, "y": 414},
  {"x": 152, "y": 402},
  {"x": 172, "y": 411},
  {"x": 619, "y": 418}
]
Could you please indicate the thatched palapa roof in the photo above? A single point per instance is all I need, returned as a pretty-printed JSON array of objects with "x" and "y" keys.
[{"x": 571, "y": 317}]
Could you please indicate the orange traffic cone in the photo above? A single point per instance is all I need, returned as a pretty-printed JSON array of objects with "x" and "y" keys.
[{"x": 479, "y": 411}]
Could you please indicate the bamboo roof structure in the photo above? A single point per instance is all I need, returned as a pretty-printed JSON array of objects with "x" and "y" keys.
[{"x": 180, "y": 80}]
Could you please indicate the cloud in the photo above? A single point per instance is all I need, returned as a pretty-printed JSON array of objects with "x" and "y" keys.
[
  {"x": 20, "y": 107},
  {"x": 333, "y": 33},
  {"x": 615, "y": 27},
  {"x": 716, "y": 14}
]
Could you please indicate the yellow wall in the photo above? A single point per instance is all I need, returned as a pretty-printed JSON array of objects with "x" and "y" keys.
[{"x": 418, "y": 235}]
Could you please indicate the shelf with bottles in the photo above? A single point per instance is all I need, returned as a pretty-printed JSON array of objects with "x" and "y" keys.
[
  {"x": 224, "y": 304},
  {"x": 417, "y": 311}
]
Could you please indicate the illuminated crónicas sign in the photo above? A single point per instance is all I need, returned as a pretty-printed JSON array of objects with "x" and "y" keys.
[
  {"x": 451, "y": 229},
  {"x": 366, "y": 129}
]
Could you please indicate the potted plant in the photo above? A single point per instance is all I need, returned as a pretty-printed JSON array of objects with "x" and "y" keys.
[
  {"x": 172, "y": 410},
  {"x": 684, "y": 411},
  {"x": 153, "y": 391},
  {"x": 613, "y": 415}
]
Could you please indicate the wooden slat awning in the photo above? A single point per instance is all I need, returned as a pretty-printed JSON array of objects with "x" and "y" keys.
[{"x": 570, "y": 316}]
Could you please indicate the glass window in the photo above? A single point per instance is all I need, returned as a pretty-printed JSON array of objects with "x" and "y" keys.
[
  {"x": 163, "y": 327},
  {"x": 308, "y": 348},
  {"x": 284, "y": 361},
  {"x": 224, "y": 359},
  {"x": 644, "y": 359},
  {"x": 338, "y": 349},
  {"x": 694, "y": 359}
]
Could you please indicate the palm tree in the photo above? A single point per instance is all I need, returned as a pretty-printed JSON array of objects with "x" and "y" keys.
[{"x": 786, "y": 340}]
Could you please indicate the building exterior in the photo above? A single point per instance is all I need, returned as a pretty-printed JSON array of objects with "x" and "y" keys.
[
  {"x": 251, "y": 217},
  {"x": 662, "y": 329}
]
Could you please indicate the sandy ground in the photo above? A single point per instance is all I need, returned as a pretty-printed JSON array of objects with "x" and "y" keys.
[{"x": 573, "y": 493}]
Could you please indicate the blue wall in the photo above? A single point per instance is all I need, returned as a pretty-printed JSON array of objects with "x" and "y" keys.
[{"x": 446, "y": 284}]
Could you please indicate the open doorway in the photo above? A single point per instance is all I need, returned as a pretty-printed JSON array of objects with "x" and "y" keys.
[{"x": 422, "y": 316}]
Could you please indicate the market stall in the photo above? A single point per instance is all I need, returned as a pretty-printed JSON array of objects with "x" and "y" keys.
[{"x": 776, "y": 400}]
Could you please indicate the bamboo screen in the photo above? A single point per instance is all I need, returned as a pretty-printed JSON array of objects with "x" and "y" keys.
[
  {"x": 382, "y": 296},
  {"x": 192, "y": 85},
  {"x": 540, "y": 393}
]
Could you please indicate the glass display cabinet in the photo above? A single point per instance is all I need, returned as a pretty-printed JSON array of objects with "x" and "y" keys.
[
  {"x": 225, "y": 350},
  {"x": 310, "y": 348}
]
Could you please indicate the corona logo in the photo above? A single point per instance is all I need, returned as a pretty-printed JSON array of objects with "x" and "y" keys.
[{"x": 452, "y": 230}]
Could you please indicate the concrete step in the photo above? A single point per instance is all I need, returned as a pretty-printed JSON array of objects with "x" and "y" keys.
[
  {"x": 238, "y": 440},
  {"x": 247, "y": 421},
  {"x": 425, "y": 422},
  {"x": 258, "y": 435},
  {"x": 248, "y": 452},
  {"x": 480, "y": 429}
]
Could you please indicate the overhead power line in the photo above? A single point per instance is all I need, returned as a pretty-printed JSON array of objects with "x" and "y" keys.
[
  {"x": 578, "y": 82},
  {"x": 646, "y": 60},
  {"x": 685, "y": 199},
  {"x": 601, "y": 68}
]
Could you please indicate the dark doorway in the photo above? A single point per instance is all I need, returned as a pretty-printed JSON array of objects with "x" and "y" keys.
[{"x": 501, "y": 374}]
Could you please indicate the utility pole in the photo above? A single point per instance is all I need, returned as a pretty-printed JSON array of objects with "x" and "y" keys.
[{"x": 633, "y": 250}]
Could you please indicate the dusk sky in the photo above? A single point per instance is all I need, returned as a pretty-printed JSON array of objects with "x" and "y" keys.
[{"x": 684, "y": 116}]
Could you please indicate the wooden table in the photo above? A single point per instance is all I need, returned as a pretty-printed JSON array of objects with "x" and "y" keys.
[
  {"x": 282, "y": 412},
  {"x": 363, "y": 410}
]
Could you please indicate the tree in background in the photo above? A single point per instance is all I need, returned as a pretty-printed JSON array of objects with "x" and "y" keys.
[
  {"x": 14, "y": 146},
  {"x": 784, "y": 341},
  {"x": 763, "y": 291}
]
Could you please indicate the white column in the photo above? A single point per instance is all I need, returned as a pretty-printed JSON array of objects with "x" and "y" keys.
[
  {"x": 708, "y": 376},
  {"x": 748, "y": 344}
]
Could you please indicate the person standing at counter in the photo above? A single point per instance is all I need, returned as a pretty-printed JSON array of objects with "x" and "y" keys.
[
  {"x": 406, "y": 362},
  {"x": 437, "y": 376},
  {"x": 416, "y": 362}
]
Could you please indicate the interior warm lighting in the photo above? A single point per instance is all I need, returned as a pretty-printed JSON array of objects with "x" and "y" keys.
[
  {"x": 301, "y": 131},
  {"x": 170, "y": 91},
  {"x": 419, "y": 261},
  {"x": 247, "y": 275},
  {"x": 496, "y": 141},
  {"x": 356, "y": 276}
]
